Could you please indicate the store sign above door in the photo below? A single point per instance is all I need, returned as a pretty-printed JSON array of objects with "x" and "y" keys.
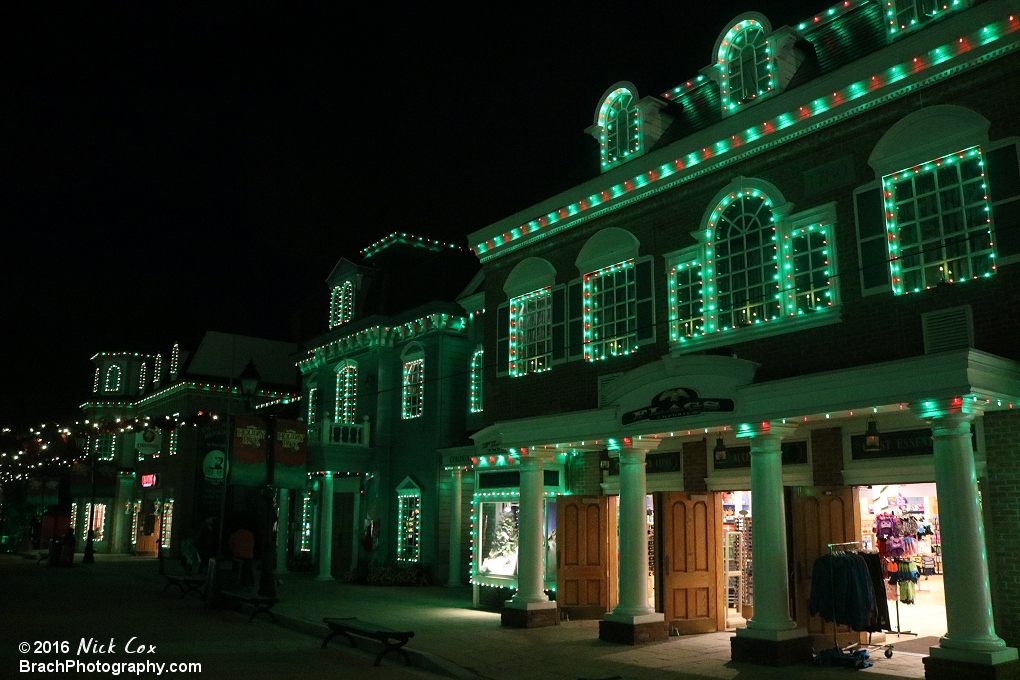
[
  {"x": 150, "y": 481},
  {"x": 677, "y": 403}
]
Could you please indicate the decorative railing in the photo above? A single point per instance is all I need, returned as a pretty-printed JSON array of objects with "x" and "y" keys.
[{"x": 328, "y": 431}]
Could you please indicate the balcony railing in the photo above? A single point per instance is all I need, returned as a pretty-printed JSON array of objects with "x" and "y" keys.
[{"x": 327, "y": 431}]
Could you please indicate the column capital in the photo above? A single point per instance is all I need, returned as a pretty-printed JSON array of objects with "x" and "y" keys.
[
  {"x": 761, "y": 429},
  {"x": 935, "y": 409}
]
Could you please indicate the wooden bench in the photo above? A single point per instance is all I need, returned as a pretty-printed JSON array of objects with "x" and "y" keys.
[
  {"x": 390, "y": 639},
  {"x": 261, "y": 603},
  {"x": 186, "y": 584}
]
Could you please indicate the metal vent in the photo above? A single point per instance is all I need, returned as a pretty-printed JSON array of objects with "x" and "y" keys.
[
  {"x": 604, "y": 382},
  {"x": 948, "y": 329}
]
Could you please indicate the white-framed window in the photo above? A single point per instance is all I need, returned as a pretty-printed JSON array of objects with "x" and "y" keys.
[
  {"x": 346, "y": 398},
  {"x": 112, "y": 381},
  {"x": 413, "y": 386},
  {"x": 610, "y": 311},
  {"x": 904, "y": 15},
  {"x": 106, "y": 445},
  {"x": 341, "y": 304},
  {"x": 530, "y": 341},
  {"x": 166, "y": 523},
  {"x": 745, "y": 61},
  {"x": 619, "y": 122},
  {"x": 475, "y": 400},
  {"x": 938, "y": 219},
  {"x": 752, "y": 266},
  {"x": 98, "y": 522},
  {"x": 142, "y": 377}
]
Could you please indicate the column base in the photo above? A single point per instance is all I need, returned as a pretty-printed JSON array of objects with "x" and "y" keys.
[
  {"x": 637, "y": 632},
  {"x": 791, "y": 648},
  {"x": 936, "y": 668},
  {"x": 529, "y": 614},
  {"x": 324, "y": 578}
]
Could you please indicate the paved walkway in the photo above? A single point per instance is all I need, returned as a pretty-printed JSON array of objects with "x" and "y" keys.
[{"x": 455, "y": 640}]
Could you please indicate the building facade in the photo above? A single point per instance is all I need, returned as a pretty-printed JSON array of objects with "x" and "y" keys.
[
  {"x": 158, "y": 439},
  {"x": 388, "y": 390},
  {"x": 793, "y": 279}
]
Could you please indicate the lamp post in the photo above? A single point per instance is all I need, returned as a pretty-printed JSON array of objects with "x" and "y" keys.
[
  {"x": 89, "y": 556},
  {"x": 267, "y": 581}
]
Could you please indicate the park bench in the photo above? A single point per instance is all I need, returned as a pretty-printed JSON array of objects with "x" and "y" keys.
[
  {"x": 186, "y": 584},
  {"x": 261, "y": 603},
  {"x": 391, "y": 639}
]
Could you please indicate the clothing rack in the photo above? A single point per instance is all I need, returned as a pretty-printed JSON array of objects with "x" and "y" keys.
[
  {"x": 898, "y": 631},
  {"x": 855, "y": 546}
]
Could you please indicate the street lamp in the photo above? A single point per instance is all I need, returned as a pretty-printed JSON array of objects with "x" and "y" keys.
[
  {"x": 89, "y": 556},
  {"x": 267, "y": 582}
]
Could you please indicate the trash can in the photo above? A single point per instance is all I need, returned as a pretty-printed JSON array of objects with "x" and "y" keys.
[{"x": 53, "y": 558}]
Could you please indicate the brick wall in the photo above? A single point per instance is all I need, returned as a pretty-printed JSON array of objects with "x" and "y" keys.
[
  {"x": 873, "y": 329},
  {"x": 827, "y": 456},
  {"x": 584, "y": 475},
  {"x": 1001, "y": 499}
]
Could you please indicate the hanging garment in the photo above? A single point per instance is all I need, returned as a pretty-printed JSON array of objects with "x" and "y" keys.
[
  {"x": 885, "y": 526},
  {"x": 842, "y": 591}
]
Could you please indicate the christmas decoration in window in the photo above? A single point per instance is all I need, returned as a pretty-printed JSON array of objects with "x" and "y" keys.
[
  {"x": 341, "y": 304},
  {"x": 408, "y": 521},
  {"x": 346, "y": 391},
  {"x": 531, "y": 332},
  {"x": 413, "y": 391}
]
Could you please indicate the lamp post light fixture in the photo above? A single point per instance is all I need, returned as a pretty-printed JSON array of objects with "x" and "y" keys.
[
  {"x": 267, "y": 580},
  {"x": 720, "y": 449},
  {"x": 89, "y": 556},
  {"x": 872, "y": 439}
]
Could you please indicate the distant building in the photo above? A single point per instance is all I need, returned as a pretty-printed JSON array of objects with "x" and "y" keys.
[
  {"x": 794, "y": 279},
  {"x": 389, "y": 394},
  {"x": 158, "y": 475}
]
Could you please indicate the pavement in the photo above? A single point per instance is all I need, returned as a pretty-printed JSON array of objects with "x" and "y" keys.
[{"x": 455, "y": 640}]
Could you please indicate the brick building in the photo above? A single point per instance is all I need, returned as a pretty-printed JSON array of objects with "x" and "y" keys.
[{"x": 794, "y": 277}]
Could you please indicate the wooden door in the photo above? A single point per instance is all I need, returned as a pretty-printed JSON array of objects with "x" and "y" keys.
[
  {"x": 343, "y": 532},
  {"x": 691, "y": 575},
  {"x": 820, "y": 516},
  {"x": 583, "y": 532}
]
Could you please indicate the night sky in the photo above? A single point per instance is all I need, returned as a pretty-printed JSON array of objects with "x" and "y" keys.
[{"x": 170, "y": 168}]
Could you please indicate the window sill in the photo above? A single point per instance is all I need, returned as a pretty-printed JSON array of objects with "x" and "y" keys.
[{"x": 778, "y": 327}]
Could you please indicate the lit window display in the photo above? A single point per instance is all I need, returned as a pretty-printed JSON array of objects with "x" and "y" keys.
[{"x": 497, "y": 538}]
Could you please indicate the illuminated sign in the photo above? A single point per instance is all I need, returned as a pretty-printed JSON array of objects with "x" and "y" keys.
[{"x": 149, "y": 481}]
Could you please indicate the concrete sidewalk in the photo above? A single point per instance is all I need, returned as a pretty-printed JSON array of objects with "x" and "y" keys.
[{"x": 455, "y": 640}]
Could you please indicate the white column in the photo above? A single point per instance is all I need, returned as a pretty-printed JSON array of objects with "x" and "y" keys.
[
  {"x": 633, "y": 606},
  {"x": 325, "y": 527},
  {"x": 971, "y": 636},
  {"x": 455, "y": 527},
  {"x": 282, "y": 529},
  {"x": 771, "y": 619},
  {"x": 530, "y": 568}
]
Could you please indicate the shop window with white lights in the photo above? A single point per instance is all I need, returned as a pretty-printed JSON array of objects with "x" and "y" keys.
[
  {"x": 904, "y": 15},
  {"x": 106, "y": 445},
  {"x": 939, "y": 222},
  {"x": 98, "y": 522},
  {"x": 413, "y": 386},
  {"x": 112, "y": 381},
  {"x": 530, "y": 345},
  {"x": 408, "y": 521},
  {"x": 341, "y": 304},
  {"x": 346, "y": 398},
  {"x": 752, "y": 267},
  {"x": 619, "y": 123},
  {"x": 745, "y": 62},
  {"x": 476, "y": 404},
  {"x": 166, "y": 525}
]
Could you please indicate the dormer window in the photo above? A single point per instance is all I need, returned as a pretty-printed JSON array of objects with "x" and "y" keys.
[
  {"x": 341, "y": 304},
  {"x": 745, "y": 61},
  {"x": 112, "y": 381},
  {"x": 619, "y": 123},
  {"x": 906, "y": 14}
]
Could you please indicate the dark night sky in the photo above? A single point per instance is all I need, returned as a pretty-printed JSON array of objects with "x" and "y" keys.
[{"x": 170, "y": 168}]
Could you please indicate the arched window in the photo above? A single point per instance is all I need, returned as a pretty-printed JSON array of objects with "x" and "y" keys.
[
  {"x": 746, "y": 273},
  {"x": 745, "y": 63},
  {"x": 112, "y": 382},
  {"x": 313, "y": 394},
  {"x": 346, "y": 391},
  {"x": 906, "y": 14},
  {"x": 412, "y": 393},
  {"x": 619, "y": 123},
  {"x": 95, "y": 381},
  {"x": 142, "y": 377},
  {"x": 755, "y": 264}
]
